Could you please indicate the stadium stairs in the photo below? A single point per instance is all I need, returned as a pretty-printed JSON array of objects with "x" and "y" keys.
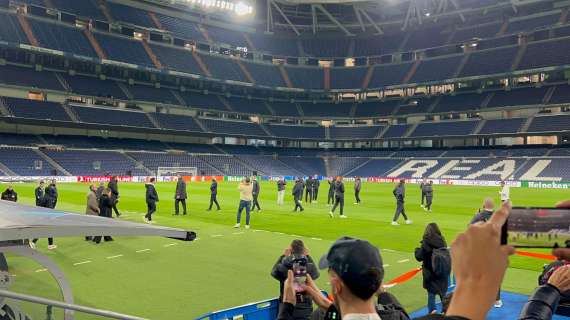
[{"x": 52, "y": 162}]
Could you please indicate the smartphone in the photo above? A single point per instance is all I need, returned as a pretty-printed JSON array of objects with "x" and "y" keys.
[
  {"x": 300, "y": 274},
  {"x": 531, "y": 227}
]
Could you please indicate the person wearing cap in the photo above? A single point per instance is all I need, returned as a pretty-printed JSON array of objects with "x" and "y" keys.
[
  {"x": 245, "y": 197},
  {"x": 9, "y": 194}
]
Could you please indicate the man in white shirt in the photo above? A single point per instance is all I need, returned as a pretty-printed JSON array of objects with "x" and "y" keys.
[{"x": 505, "y": 192}]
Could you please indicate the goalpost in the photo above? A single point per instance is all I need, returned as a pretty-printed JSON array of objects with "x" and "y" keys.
[{"x": 175, "y": 171}]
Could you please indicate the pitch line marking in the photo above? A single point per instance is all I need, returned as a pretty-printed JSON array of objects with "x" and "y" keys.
[
  {"x": 402, "y": 261},
  {"x": 281, "y": 233},
  {"x": 142, "y": 250},
  {"x": 318, "y": 239},
  {"x": 386, "y": 265},
  {"x": 389, "y": 250},
  {"x": 238, "y": 233},
  {"x": 295, "y": 235},
  {"x": 82, "y": 262},
  {"x": 217, "y": 235},
  {"x": 114, "y": 257},
  {"x": 170, "y": 245},
  {"x": 41, "y": 270}
]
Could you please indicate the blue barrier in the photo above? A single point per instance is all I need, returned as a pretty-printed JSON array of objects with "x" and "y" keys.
[{"x": 261, "y": 310}]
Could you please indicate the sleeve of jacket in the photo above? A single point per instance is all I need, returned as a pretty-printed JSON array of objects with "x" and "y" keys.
[
  {"x": 312, "y": 268},
  {"x": 542, "y": 303},
  {"x": 286, "y": 311},
  {"x": 279, "y": 271},
  {"x": 419, "y": 253},
  {"x": 155, "y": 194}
]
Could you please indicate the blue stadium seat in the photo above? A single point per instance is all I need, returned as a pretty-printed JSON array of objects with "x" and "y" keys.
[
  {"x": 560, "y": 95},
  {"x": 183, "y": 28},
  {"x": 130, "y": 15},
  {"x": 347, "y": 78},
  {"x": 376, "y": 108},
  {"x": 489, "y": 62},
  {"x": 232, "y": 37},
  {"x": 459, "y": 102},
  {"x": 84, "y": 8},
  {"x": 284, "y": 109},
  {"x": 148, "y": 93},
  {"x": 223, "y": 68},
  {"x": 177, "y": 122},
  {"x": 95, "y": 163},
  {"x": 545, "y": 54},
  {"x": 355, "y": 132},
  {"x": 300, "y": 132},
  {"x": 447, "y": 128},
  {"x": 275, "y": 45},
  {"x": 389, "y": 74},
  {"x": 251, "y": 106},
  {"x": 416, "y": 105},
  {"x": 480, "y": 31},
  {"x": 306, "y": 77},
  {"x": 154, "y": 160},
  {"x": 35, "y": 109},
  {"x": 556, "y": 123},
  {"x": 123, "y": 49},
  {"x": 233, "y": 127},
  {"x": 202, "y": 101},
  {"x": 502, "y": 126},
  {"x": 377, "y": 45},
  {"x": 396, "y": 131},
  {"x": 112, "y": 117},
  {"x": 62, "y": 37},
  {"x": 27, "y": 77},
  {"x": 326, "y": 109},
  {"x": 178, "y": 59},
  {"x": 330, "y": 48},
  {"x": 265, "y": 74},
  {"x": 10, "y": 29},
  {"x": 533, "y": 23},
  {"x": 90, "y": 86},
  {"x": 436, "y": 69},
  {"x": 25, "y": 162},
  {"x": 515, "y": 97}
]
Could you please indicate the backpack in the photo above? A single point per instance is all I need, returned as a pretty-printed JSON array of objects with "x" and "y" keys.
[{"x": 441, "y": 262}]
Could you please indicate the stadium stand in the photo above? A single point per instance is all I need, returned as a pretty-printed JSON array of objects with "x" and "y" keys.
[
  {"x": 459, "y": 102},
  {"x": 86, "y": 8},
  {"x": 201, "y": 101},
  {"x": 112, "y": 117},
  {"x": 123, "y": 49},
  {"x": 10, "y": 29},
  {"x": 183, "y": 28},
  {"x": 502, "y": 126},
  {"x": 27, "y": 77},
  {"x": 35, "y": 109},
  {"x": 62, "y": 37},
  {"x": 130, "y": 15},
  {"x": 90, "y": 86},
  {"x": 265, "y": 74},
  {"x": 545, "y": 53},
  {"x": 297, "y": 132},
  {"x": 285, "y": 109},
  {"x": 326, "y": 109},
  {"x": 396, "y": 131},
  {"x": 361, "y": 132},
  {"x": 487, "y": 30},
  {"x": 176, "y": 58},
  {"x": 25, "y": 162},
  {"x": 436, "y": 69},
  {"x": 152, "y": 94},
  {"x": 549, "y": 123},
  {"x": 306, "y": 77},
  {"x": 233, "y": 127},
  {"x": 95, "y": 163},
  {"x": 376, "y": 108},
  {"x": 389, "y": 74},
  {"x": 448, "y": 128},
  {"x": 523, "y": 96},
  {"x": 223, "y": 68},
  {"x": 177, "y": 122},
  {"x": 489, "y": 62},
  {"x": 347, "y": 78},
  {"x": 251, "y": 106}
]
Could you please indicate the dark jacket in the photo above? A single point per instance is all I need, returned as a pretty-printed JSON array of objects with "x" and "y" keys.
[
  {"x": 331, "y": 187},
  {"x": 298, "y": 190},
  {"x": 256, "y": 187},
  {"x": 400, "y": 192},
  {"x": 214, "y": 187},
  {"x": 181, "y": 190},
  {"x": 339, "y": 189},
  {"x": 428, "y": 190},
  {"x": 151, "y": 195},
  {"x": 10, "y": 195},
  {"x": 50, "y": 196},
  {"x": 114, "y": 186},
  {"x": 542, "y": 304},
  {"x": 431, "y": 240},
  {"x": 281, "y": 185},
  {"x": 482, "y": 216},
  {"x": 99, "y": 191},
  {"x": 39, "y": 197},
  {"x": 106, "y": 206},
  {"x": 279, "y": 272},
  {"x": 357, "y": 185}
]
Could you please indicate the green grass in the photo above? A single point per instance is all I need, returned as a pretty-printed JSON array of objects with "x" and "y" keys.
[{"x": 228, "y": 267}]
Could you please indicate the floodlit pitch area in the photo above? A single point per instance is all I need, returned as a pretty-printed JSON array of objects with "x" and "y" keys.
[{"x": 161, "y": 278}]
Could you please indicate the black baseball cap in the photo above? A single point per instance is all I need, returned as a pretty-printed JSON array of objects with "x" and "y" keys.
[{"x": 358, "y": 263}]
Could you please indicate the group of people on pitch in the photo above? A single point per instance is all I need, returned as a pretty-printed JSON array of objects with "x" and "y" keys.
[{"x": 356, "y": 275}]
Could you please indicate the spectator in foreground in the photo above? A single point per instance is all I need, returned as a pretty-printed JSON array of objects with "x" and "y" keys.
[
  {"x": 356, "y": 273},
  {"x": 296, "y": 251},
  {"x": 92, "y": 208},
  {"x": 9, "y": 194},
  {"x": 435, "y": 277},
  {"x": 245, "y": 197}
]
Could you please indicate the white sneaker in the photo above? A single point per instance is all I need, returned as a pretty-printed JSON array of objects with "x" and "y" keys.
[
  {"x": 499, "y": 304},
  {"x": 343, "y": 216},
  {"x": 356, "y": 203},
  {"x": 394, "y": 223},
  {"x": 52, "y": 247},
  {"x": 429, "y": 210},
  {"x": 247, "y": 226},
  {"x": 408, "y": 221},
  {"x": 32, "y": 244},
  {"x": 145, "y": 220},
  {"x": 421, "y": 205},
  {"x": 331, "y": 214},
  {"x": 237, "y": 226}
]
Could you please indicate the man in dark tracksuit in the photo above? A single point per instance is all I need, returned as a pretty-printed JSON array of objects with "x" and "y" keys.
[
  {"x": 214, "y": 195},
  {"x": 151, "y": 200},
  {"x": 298, "y": 195},
  {"x": 316, "y": 185},
  {"x": 400, "y": 194},
  {"x": 46, "y": 201},
  {"x": 338, "y": 198},
  {"x": 308, "y": 189},
  {"x": 428, "y": 190},
  {"x": 357, "y": 188},
  {"x": 105, "y": 210},
  {"x": 256, "y": 190},
  {"x": 100, "y": 189},
  {"x": 180, "y": 196},
  {"x": 330, "y": 198},
  {"x": 40, "y": 194},
  {"x": 422, "y": 184},
  {"x": 114, "y": 186}
]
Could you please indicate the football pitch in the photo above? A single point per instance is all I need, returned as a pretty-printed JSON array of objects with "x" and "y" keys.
[{"x": 159, "y": 278}]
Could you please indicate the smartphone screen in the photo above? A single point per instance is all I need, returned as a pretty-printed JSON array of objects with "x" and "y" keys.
[
  {"x": 537, "y": 228},
  {"x": 300, "y": 273}
]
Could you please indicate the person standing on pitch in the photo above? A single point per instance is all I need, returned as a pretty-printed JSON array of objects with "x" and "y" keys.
[
  {"x": 214, "y": 194},
  {"x": 105, "y": 210},
  {"x": 256, "y": 189},
  {"x": 92, "y": 208},
  {"x": 357, "y": 187},
  {"x": 428, "y": 190},
  {"x": 316, "y": 185},
  {"x": 180, "y": 196},
  {"x": 48, "y": 200},
  {"x": 40, "y": 194},
  {"x": 281, "y": 183},
  {"x": 245, "y": 197},
  {"x": 308, "y": 189},
  {"x": 114, "y": 186},
  {"x": 330, "y": 198},
  {"x": 51, "y": 195},
  {"x": 422, "y": 184},
  {"x": 338, "y": 197},
  {"x": 9, "y": 194},
  {"x": 400, "y": 194},
  {"x": 100, "y": 189},
  {"x": 151, "y": 200},
  {"x": 505, "y": 192},
  {"x": 298, "y": 195}
]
